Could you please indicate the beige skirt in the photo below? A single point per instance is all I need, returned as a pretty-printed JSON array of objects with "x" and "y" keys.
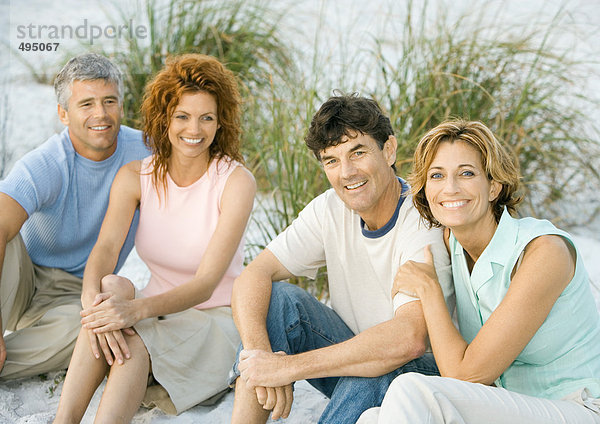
[{"x": 191, "y": 353}]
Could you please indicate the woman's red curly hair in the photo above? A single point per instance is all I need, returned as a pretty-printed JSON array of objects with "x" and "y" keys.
[{"x": 190, "y": 73}]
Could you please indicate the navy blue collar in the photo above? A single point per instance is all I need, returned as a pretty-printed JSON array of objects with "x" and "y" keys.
[{"x": 380, "y": 232}]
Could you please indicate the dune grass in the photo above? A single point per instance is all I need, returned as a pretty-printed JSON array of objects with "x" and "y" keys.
[
  {"x": 243, "y": 35},
  {"x": 425, "y": 66},
  {"x": 513, "y": 79}
]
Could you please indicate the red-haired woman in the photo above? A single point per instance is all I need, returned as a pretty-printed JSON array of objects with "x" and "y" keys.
[{"x": 194, "y": 198}]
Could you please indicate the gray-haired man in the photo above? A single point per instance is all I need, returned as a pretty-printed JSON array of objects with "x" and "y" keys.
[{"x": 52, "y": 204}]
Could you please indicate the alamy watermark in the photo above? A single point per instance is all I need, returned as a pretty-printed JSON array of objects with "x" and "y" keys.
[{"x": 40, "y": 34}]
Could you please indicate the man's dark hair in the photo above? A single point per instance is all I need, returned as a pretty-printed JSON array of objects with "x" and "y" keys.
[{"x": 346, "y": 115}]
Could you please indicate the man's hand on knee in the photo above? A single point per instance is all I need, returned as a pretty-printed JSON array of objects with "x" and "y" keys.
[{"x": 262, "y": 368}]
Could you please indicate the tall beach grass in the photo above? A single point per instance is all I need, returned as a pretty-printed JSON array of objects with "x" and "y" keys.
[
  {"x": 425, "y": 65},
  {"x": 241, "y": 34},
  {"x": 513, "y": 79}
]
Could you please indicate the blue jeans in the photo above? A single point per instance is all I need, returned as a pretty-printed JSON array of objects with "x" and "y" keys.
[{"x": 297, "y": 322}]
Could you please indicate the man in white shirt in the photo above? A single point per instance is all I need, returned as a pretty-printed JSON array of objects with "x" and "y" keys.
[{"x": 362, "y": 229}]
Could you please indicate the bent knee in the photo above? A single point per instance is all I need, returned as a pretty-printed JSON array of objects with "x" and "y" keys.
[
  {"x": 136, "y": 344},
  {"x": 286, "y": 293},
  {"x": 118, "y": 285},
  {"x": 60, "y": 326},
  {"x": 67, "y": 318},
  {"x": 283, "y": 287},
  {"x": 413, "y": 382}
]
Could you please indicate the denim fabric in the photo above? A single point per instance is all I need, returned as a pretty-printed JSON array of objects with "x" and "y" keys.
[{"x": 297, "y": 322}]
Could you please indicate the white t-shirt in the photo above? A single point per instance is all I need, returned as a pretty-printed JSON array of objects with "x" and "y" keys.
[{"x": 361, "y": 264}]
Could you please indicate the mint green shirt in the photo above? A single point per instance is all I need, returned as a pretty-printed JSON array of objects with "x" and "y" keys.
[{"x": 564, "y": 354}]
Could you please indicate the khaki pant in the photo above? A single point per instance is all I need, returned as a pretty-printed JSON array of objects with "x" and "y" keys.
[{"x": 41, "y": 307}]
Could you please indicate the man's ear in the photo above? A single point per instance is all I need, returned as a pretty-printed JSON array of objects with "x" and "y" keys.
[
  {"x": 63, "y": 115},
  {"x": 389, "y": 150}
]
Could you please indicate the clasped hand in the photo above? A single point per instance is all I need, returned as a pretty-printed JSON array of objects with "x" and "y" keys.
[
  {"x": 104, "y": 320},
  {"x": 414, "y": 278},
  {"x": 262, "y": 368},
  {"x": 264, "y": 371},
  {"x": 108, "y": 313}
]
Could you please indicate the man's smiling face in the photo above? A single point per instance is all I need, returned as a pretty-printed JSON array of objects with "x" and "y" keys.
[
  {"x": 93, "y": 117},
  {"x": 360, "y": 172}
]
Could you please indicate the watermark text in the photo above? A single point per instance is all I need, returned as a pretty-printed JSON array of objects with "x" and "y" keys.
[{"x": 85, "y": 31}]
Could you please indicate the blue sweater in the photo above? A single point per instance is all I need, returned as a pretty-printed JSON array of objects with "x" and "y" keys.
[{"x": 66, "y": 196}]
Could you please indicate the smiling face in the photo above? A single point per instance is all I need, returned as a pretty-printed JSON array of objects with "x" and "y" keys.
[
  {"x": 458, "y": 190},
  {"x": 93, "y": 117},
  {"x": 193, "y": 125},
  {"x": 361, "y": 174}
]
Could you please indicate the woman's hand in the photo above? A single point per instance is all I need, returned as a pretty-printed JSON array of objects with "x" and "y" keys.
[
  {"x": 112, "y": 345},
  {"x": 109, "y": 313},
  {"x": 415, "y": 278}
]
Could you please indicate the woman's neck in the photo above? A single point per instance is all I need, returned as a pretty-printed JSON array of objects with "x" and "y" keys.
[
  {"x": 185, "y": 171},
  {"x": 476, "y": 238}
]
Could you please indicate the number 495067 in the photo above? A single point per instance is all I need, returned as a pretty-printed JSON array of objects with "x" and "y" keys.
[{"x": 42, "y": 47}]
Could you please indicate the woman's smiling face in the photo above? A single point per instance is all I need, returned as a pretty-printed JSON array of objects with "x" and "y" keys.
[
  {"x": 194, "y": 124},
  {"x": 458, "y": 189}
]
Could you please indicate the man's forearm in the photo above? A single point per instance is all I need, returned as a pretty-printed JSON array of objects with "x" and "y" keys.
[
  {"x": 250, "y": 305},
  {"x": 251, "y": 298},
  {"x": 372, "y": 353}
]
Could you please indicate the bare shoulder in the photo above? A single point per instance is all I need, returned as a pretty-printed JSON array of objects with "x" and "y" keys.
[
  {"x": 129, "y": 172},
  {"x": 551, "y": 256},
  {"x": 127, "y": 184},
  {"x": 241, "y": 180},
  {"x": 552, "y": 246},
  {"x": 134, "y": 166},
  {"x": 239, "y": 191}
]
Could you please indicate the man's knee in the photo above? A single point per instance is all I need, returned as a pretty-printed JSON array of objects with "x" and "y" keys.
[
  {"x": 286, "y": 292},
  {"x": 118, "y": 285},
  {"x": 64, "y": 319},
  {"x": 283, "y": 306}
]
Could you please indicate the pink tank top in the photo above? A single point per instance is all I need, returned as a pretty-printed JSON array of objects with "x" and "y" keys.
[{"x": 174, "y": 232}]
